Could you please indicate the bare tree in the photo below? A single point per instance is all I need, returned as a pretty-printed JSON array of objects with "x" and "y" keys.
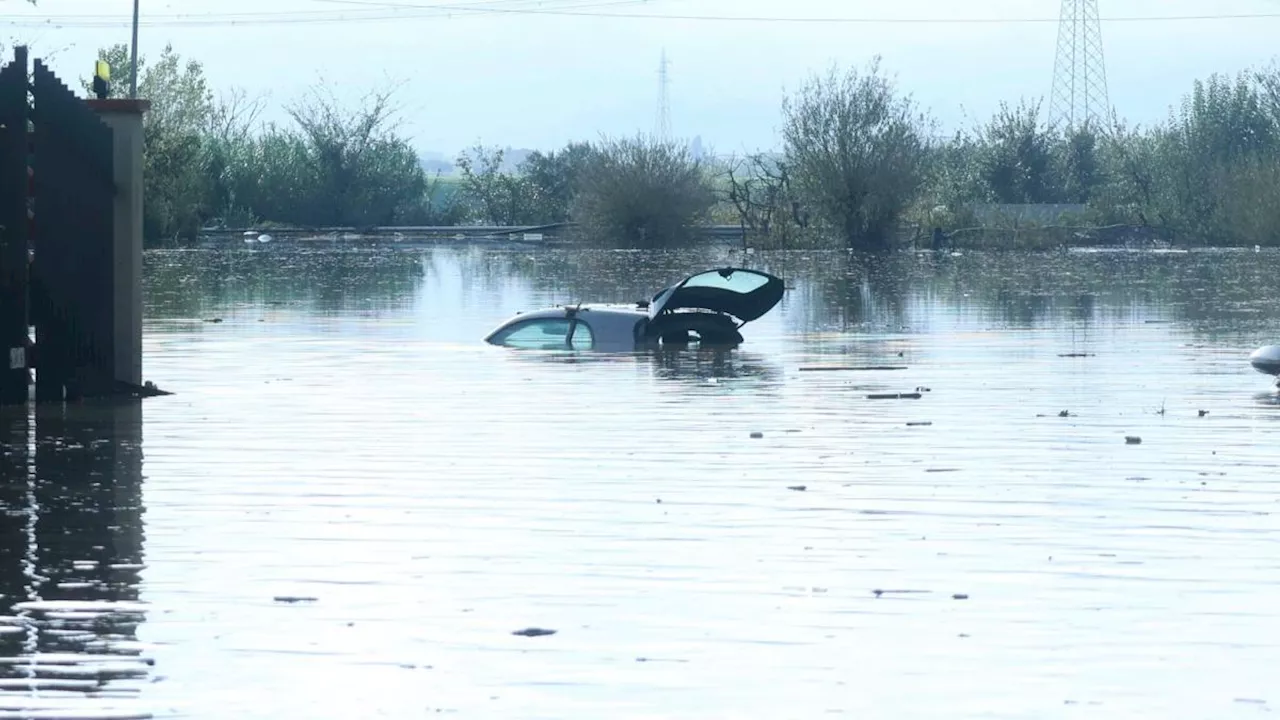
[
  {"x": 761, "y": 193},
  {"x": 234, "y": 115}
]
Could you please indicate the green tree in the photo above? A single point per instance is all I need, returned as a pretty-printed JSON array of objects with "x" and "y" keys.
[
  {"x": 642, "y": 193},
  {"x": 857, "y": 152},
  {"x": 1017, "y": 156},
  {"x": 1081, "y": 171},
  {"x": 499, "y": 198},
  {"x": 554, "y": 178},
  {"x": 362, "y": 173}
]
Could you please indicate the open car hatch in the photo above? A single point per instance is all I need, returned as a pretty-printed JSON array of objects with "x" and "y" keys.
[{"x": 744, "y": 294}]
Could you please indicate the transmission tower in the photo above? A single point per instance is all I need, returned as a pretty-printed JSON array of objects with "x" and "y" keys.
[
  {"x": 662, "y": 124},
  {"x": 1079, "y": 72}
]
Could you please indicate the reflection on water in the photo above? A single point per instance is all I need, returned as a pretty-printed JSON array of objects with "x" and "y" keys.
[
  {"x": 352, "y": 503},
  {"x": 72, "y": 557},
  {"x": 1213, "y": 291}
]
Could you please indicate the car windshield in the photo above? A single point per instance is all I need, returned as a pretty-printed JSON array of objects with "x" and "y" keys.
[{"x": 733, "y": 281}]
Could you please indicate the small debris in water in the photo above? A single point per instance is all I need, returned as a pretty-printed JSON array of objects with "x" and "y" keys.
[
  {"x": 1203, "y": 413},
  {"x": 757, "y": 435},
  {"x": 920, "y": 423},
  {"x": 534, "y": 632},
  {"x": 1065, "y": 413},
  {"x": 798, "y": 488},
  {"x": 878, "y": 593},
  {"x": 960, "y": 596},
  {"x": 294, "y": 599},
  {"x": 214, "y": 320},
  {"x": 852, "y": 368},
  {"x": 923, "y": 389},
  {"x": 1077, "y": 355},
  {"x": 1132, "y": 440},
  {"x": 894, "y": 396}
]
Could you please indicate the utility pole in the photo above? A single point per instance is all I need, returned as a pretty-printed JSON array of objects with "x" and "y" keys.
[
  {"x": 1079, "y": 74},
  {"x": 133, "y": 72}
]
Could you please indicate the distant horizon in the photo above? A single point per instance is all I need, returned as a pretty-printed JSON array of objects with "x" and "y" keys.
[{"x": 542, "y": 77}]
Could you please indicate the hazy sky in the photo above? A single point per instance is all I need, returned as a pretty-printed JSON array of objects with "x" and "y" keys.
[{"x": 520, "y": 75}]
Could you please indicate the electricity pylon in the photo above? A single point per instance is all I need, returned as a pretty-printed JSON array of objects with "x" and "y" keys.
[{"x": 1079, "y": 72}]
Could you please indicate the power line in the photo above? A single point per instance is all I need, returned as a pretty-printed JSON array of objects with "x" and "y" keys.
[
  {"x": 381, "y": 12},
  {"x": 373, "y": 12}
]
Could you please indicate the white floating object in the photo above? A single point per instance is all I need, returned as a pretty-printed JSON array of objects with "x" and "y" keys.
[
  {"x": 66, "y": 606},
  {"x": 1266, "y": 360},
  {"x": 66, "y": 711},
  {"x": 71, "y": 659},
  {"x": 264, "y": 238}
]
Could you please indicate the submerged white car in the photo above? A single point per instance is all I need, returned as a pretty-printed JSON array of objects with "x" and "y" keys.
[{"x": 709, "y": 308}]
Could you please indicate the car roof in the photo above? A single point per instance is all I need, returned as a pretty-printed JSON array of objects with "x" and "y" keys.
[{"x": 626, "y": 311}]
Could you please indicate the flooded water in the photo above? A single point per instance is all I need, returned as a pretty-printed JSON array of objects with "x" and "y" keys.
[{"x": 351, "y": 505}]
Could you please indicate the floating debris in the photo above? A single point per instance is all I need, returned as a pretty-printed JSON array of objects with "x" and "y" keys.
[
  {"x": 798, "y": 488},
  {"x": 757, "y": 435},
  {"x": 1203, "y": 413},
  {"x": 853, "y": 368},
  {"x": 1077, "y": 355},
  {"x": 895, "y": 396},
  {"x": 878, "y": 593},
  {"x": 920, "y": 423},
  {"x": 1132, "y": 440},
  {"x": 294, "y": 599},
  {"x": 81, "y": 606},
  {"x": 1065, "y": 413},
  {"x": 534, "y": 632},
  {"x": 960, "y": 596}
]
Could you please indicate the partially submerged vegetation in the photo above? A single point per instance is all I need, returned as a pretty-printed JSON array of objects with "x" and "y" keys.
[{"x": 859, "y": 168}]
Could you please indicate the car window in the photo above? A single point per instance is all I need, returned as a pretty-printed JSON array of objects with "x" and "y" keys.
[
  {"x": 583, "y": 338},
  {"x": 739, "y": 282},
  {"x": 543, "y": 333},
  {"x": 547, "y": 334}
]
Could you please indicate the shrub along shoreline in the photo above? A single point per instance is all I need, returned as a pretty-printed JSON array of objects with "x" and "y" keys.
[{"x": 860, "y": 167}]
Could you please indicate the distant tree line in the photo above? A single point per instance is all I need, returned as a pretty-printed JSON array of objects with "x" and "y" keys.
[{"x": 859, "y": 167}]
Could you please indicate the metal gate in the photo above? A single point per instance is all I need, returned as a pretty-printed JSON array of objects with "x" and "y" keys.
[{"x": 57, "y": 194}]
